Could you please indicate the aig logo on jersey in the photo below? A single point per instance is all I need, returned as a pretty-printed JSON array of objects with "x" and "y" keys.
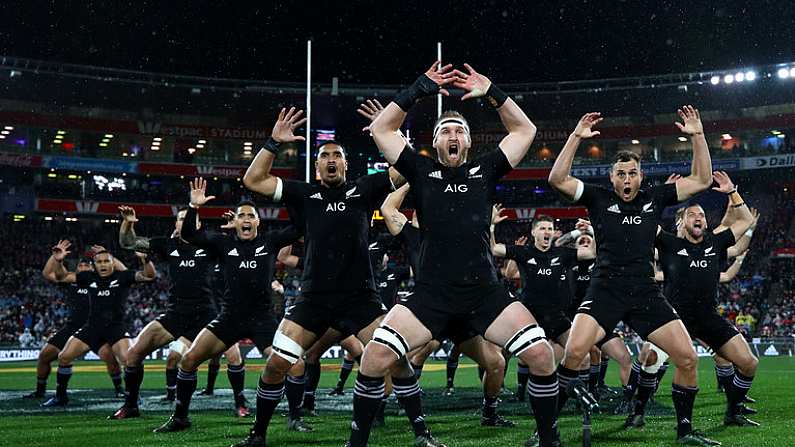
[
  {"x": 248, "y": 264},
  {"x": 544, "y": 272},
  {"x": 103, "y": 293},
  {"x": 187, "y": 263},
  {"x": 454, "y": 187},
  {"x": 335, "y": 206},
  {"x": 632, "y": 220},
  {"x": 698, "y": 263}
]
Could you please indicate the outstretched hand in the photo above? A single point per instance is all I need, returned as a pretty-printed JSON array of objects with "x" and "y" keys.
[
  {"x": 229, "y": 217},
  {"x": 496, "y": 214},
  {"x": 441, "y": 76},
  {"x": 692, "y": 121},
  {"x": 60, "y": 250},
  {"x": 198, "y": 188},
  {"x": 725, "y": 184},
  {"x": 370, "y": 109},
  {"x": 584, "y": 128},
  {"x": 474, "y": 83},
  {"x": 288, "y": 121},
  {"x": 128, "y": 213}
]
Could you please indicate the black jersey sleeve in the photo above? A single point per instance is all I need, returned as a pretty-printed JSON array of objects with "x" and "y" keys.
[
  {"x": 569, "y": 257},
  {"x": 664, "y": 241},
  {"x": 199, "y": 237},
  {"x": 409, "y": 164},
  {"x": 592, "y": 195},
  {"x": 374, "y": 188},
  {"x": 83, "y": 279},
  {"x": 158, "y": 245},
  {"x": 293, "y": 194},
  {"x": 497, "y": 164},
  {"x": 665, "y": 195},
  {"x": 515, "y": 252},
  {"x": 284, "y": 237},
  {"x": 126, "y": 277},
  {"x": 725, "y": 239}
]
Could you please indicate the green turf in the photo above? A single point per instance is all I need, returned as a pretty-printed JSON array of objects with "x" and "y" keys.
[{"x": 773, "y": 388}]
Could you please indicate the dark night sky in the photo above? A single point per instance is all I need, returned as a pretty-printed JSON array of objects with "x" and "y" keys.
[{"x": 392, "y": 42}]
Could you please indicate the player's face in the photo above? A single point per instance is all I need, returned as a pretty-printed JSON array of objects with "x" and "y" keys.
[
  {"x": 585, "y": 241},
  {"x": 626, "y": 177},
  {"x": 84, "y": 267},
  {"x": 103, "y": 263},
  {"x": 452, "y": 145},
  {"x": 246, "y": 222},
  {"x": 542, "y": 234},
  {"x": 695, "y": 222},
  {"x": 331, "y": 165}
]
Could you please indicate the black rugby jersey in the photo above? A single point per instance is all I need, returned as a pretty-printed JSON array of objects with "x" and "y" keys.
[
  {"x": 336, "y": 223},
  {"x": 218, "y": 286},
  {"x": 692, "y": 271},
  {"x": 454, "y": 208},
  {"x": 247, "y": 266},
  {"x": 189, "y": 267},
  {"x": 545, "y": 280},
  {"x": 581, "y": 278},
  {"x": 78, "y": 302},
  {"x": 108, "y": 294},
  {"x": 626, "y": 231},
  {"x": 410, "y": 238},
  {"x": 389, "y": 280}
]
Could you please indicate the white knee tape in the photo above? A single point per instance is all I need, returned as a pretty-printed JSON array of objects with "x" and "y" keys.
[
  {"x": 178, "y": 347},
  {"x": 662, "y": 356},
  {"x": 392, "y": 339},
  {"x": 525, "y": 338},
  {"x": 286, "y": 348}
]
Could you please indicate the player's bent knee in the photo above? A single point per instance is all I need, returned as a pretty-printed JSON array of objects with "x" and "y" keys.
[
  {"x": 286, "y": 348},
  {"x": 391, "y": 339},
  {"x": 525, "y": 338}
]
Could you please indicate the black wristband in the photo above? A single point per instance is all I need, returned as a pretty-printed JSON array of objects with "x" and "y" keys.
[
  {"x": 495, "y": 96},
  {"x": 271, "y": 146},
  {"x": 421, "y": 88}
]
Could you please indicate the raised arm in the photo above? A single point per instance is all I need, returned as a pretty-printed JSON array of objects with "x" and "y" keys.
[
  {"x": 258, "y": 176},
  {"x": 390, "y": 209},
  {"x": 521, "y": 131},
  {"x": 54, "y": 270},
  {"x": 287, "y": 257},
  {"x": 701, "y": 167},
  {"x": 147, "y": 272},
  {"x": 743, "y": 217},
  {"x": 385, "y": 129},
  {"x": 731, "y": 272},
  {"x": 498, "y": 250},
  {"x": 127, "y": 237},
  {"x": 745, "y": 240},
  {"x": 190, "y": 231},
  {"x": 560, "y": 177}
]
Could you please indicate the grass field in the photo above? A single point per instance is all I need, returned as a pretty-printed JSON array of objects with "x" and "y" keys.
[{"x": 83, "y": 424}]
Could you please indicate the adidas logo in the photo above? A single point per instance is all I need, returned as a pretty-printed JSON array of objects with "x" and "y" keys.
[
  {"x": 682, "y": 252},
  {"x": 648, "y": 208},
  {"x": 316, "y": 196},
  {"x": 436, "y": 174},
  {"x": 532, "y": 261},
  {"x": 174, "y": 253},
  {"x": 232, "y": 252},
  {"x": 93, "y": 285},
  {"x": 614, "y": 209}
]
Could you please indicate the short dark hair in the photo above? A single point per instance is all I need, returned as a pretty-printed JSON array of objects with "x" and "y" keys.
[
  {"x": 625, "y": 156},
  {"x": 327, "y": 142},
  {"x": 102, "y": 252},
  {"x": 543, "y": 218},
  {"x": 246, "y": 203}
]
